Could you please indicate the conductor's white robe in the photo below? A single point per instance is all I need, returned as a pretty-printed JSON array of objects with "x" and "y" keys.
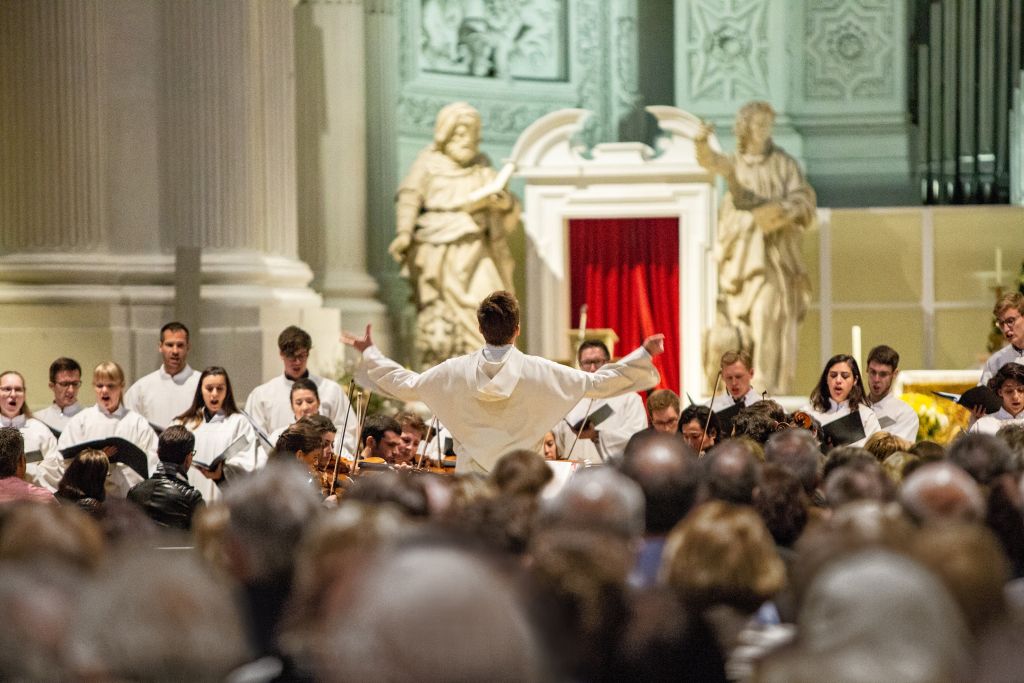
[{"x": 499, "y": 399}]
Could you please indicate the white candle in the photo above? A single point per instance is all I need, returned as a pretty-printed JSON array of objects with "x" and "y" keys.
[
  {"x": 999, "y": 266},
  {"x": 855, "y": 334}
]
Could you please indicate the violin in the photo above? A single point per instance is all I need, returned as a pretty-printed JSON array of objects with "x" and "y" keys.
[{"x": 334, "y": 473}]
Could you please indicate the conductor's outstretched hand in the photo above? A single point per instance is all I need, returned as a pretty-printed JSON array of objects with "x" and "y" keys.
[
  {"x": 655, "y": 344},
  {"x": 360, "y": 344}
]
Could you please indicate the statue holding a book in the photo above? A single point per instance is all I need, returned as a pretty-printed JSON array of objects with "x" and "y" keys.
[{"x": 454, "y": 216}]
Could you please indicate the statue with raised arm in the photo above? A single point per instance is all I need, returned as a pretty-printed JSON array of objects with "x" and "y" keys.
[
  {"x": 453, "y": 219},
  {"x": 762, "y": 285}
]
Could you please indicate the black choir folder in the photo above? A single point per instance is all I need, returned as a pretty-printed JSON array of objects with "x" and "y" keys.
[
  {"x": 844, "y": 430},
  {"x": 975, "y": 397},
  {"x": 726, "y": 416},
  {"x": 595, "y": 418},
  {"x": 122, "y": 451}
]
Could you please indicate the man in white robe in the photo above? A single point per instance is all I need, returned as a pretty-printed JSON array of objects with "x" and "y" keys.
[
  {"x": 499, "y": 399},
  {"x": 737, "y": 379},
  {"x": 166, "y": 393},
  {"x": 894, "y": 416},
  {"x": 65, "y": 380},
  {"x": 270, "y": 404},
  {"x": 1009, "y": 313},
  {"x": 607, "y": 440},
  {"x": 109, "y": 417}
]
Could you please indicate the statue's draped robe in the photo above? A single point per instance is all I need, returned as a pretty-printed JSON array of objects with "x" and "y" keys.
[
  {"x": 761, "y": 277},
  {"x": 456, "y": 259}
]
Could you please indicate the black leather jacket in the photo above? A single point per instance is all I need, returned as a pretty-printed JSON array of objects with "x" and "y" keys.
[{"x": 167, "y": 497}]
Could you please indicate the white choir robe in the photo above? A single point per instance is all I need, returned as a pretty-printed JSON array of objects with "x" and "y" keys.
[
  {"x": 499, "y": 399},
  {"x": 270, "y": 406},
  {"x": 838, "y": 410},
  {"x": 628, "y": 418},
  {"x": 96, "y": 423},
  {"x": 725, "y": 400},
  {"x": 896, "y": 417},
  {"x": 1007, "y": 354},
  {"x": 38, "y": 437},
  {"x": 990, "y": 424},
  {"x": 160, "y": 397},
  {"x": 213, "y": 437},
  {"x": 55, "y": 417}
]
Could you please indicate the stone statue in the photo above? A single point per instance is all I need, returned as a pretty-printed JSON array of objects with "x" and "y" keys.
[
  {"x": 453, "y": 219},
  {"x": 763, "y": 287}
]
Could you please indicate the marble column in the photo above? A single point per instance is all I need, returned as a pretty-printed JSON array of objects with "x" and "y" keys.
[
  {"x": 128, "y": 130},
  {"x": 332, "y": 152}
]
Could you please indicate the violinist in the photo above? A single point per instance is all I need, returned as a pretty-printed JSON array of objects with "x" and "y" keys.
[
  {"x": 414, "y": 430},
  {"x": 304, "y": 443},
  {"x": 332, "y": 468},
  {"x": 692, "y": 424},
  {"x": 382, "y": 442}
]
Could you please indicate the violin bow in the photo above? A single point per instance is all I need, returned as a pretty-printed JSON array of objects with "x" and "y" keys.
[
  {"x": 344, "y": 429},
  {"x": 711, "y": 409},
  {"x": 364, "y": 405},
  {"x": 419, "y": 456},
  {"x": 583, "y": 425}
]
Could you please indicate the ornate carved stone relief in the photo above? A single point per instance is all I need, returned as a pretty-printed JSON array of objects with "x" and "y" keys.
[
  {"x": 727, "y": 53},
  {"x": 848, "y": 49},
  {"x": 503, "y": 39}
]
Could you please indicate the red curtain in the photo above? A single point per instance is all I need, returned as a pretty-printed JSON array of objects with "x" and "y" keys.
[{"x": 627, "y": 272}]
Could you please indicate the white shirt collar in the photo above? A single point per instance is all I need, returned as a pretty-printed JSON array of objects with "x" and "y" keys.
[
  {"x": 496, "y": 354},
  {"x": 18, "y": 421},
  {"x": 834, "y": 407},
  {"x": 180, "y": 378},
  {"x": 69, "y": 411},
  {"x": 120, "y": 412}
]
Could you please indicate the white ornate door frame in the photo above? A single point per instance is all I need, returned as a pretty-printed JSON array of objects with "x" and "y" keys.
[{"x": 614, "y": 180}]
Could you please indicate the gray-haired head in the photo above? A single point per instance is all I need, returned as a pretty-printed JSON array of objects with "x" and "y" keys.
[
  {"x": 599, "y": 499},
  {"x": 941, "y": 491}
]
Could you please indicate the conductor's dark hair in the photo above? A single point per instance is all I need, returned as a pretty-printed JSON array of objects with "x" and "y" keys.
[
  {"x": 63, "y": 364},
  {"x": 293, "y": 340},
  {"x": 175, "y": 444},
  {"x": 376, "y": 425},
  {"x": 174, "y": 326},
  {"x": 498, "y": 317},
  {"x": 884, "y": 355},
  {"x": 12, "y": 447}
]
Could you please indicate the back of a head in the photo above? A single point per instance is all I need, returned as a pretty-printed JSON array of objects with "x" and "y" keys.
[
  {"x": 782, "y": 503},
  {"x": 498, "y": 317},
  {"x": 269, "y": 512},
  {"x": 669, "y": 476},
  {"x": 175, "y": 445},
  {"x": 798, "y": 452},
  {"x": 731, "y": 472},
  {"x": 12, "y": 447},
  {"x": 941, "y": 491},
  {"x": 898, "y": 623},
  {"x": 53, "y": 534},
  {"x": 982, "y": 456},
  {"x": 521, "y": 472},
  {"x": 722, "y": 554},
  {"x": 858, "y": 480},
  {"x": 390, "y": 631},
  {"x": 754, "y": 423},
  {"x": 159, "y": 616},
  {"x": 883, "y": 444},
  {"x": 404, "y": 491},
  {"x": 599, "y": 499}
]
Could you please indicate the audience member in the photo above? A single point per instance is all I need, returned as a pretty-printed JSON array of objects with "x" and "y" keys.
[{"x": 167, "y": 497}]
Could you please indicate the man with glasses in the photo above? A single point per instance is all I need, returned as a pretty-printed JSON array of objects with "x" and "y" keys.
[
  {"x": 167, "y": 392},
  {"x": 65, "y": 380},
  {"x": 270, "y": 406},
  {"x": 1009, "y": 312},
  {"x": 620, "y": 416}
]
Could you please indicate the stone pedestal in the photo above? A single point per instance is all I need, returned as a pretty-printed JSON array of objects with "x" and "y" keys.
[{"x": 131, "y": 129}]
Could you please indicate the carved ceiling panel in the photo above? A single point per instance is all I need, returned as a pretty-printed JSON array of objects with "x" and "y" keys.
[
  {"x": 849, "y": 49},
  {"x": 727, "y": 57}
]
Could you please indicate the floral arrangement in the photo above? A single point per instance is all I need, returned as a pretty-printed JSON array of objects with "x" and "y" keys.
[{"x": 941, "y": 420}]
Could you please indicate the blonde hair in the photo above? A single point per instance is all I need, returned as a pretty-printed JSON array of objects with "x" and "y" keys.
[
  {"x": 723, "y": 554},
  {"x": 25, "y": 410},
  {"x": 741, "y": 356},
  {"x": 108, "y": 369},
  {"x": 883, "y": 444}
]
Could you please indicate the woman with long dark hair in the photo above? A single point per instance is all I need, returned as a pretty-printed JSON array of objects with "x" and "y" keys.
[
  {"x": 226, "y": 442},
  {"x": 839, "y": 392},
  {"x": 84, "y": 481}
]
